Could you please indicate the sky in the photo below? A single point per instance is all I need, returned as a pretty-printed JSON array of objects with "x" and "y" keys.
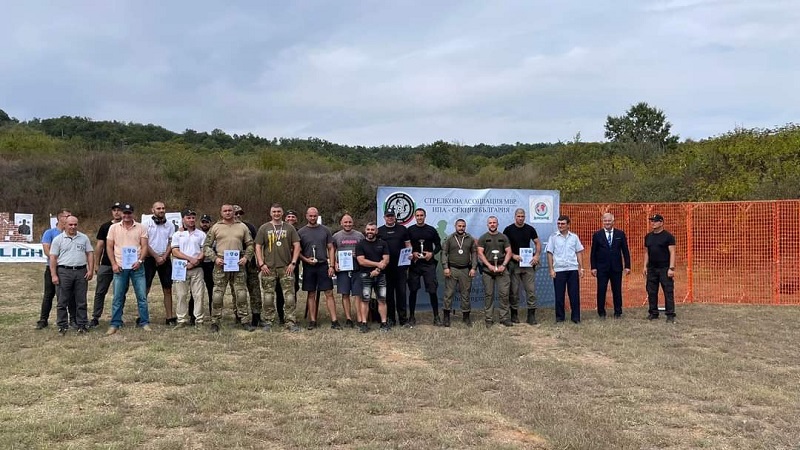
[{"x": 404, "y": 72}]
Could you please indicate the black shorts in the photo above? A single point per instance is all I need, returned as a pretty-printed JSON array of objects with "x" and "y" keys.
[
  {"x": 425, "y": 271},
  {"x": 164, "y": 272},
  {"x": 315, "y": 278}
]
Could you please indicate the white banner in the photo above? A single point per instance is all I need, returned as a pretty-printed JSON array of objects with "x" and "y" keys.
[
  {"x": 444, "y": 205},
  {"x": 21, "y": 252}
]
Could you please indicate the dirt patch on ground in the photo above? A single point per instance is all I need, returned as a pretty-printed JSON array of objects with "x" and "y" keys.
[
  {"x": 392, "y": 353},
  {"x": 516, "y": 436}
]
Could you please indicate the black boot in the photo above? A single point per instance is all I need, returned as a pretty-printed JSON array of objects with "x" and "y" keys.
[
  {"x": 514, "y": 315},
  {"x": 255, "y": 319},
  {"x": 465, "y": 318},
  {"x": 532, "y": 317},
  {"x": 446, "y": 318}
]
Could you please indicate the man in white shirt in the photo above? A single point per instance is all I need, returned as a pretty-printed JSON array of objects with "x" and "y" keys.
[
  {"x": 159, "y": 234},
  {"x": 565, "y": 258},
  {"x": 187, "y": 245}
]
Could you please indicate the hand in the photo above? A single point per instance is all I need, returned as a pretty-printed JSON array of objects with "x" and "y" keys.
[
  {"x": 330, "y": 271},
  {"x": 472, "y": 273},
  {"x": 336, "y": 267},
  {"x": 644, "y": 272},
  {"x": 55, "y": 279},
  {"x": 88, "y": 276},
  {"x": 535, "y": 261},
  {"x": 552, "y": 273},
  {"x": 428, "y": 256},
  {"x": 242, "y": 261},
  {"x": 289, "y": 271},
  {"x": 501, "y": 269},
  {"x": 219, "y": 261},
  {"x": 446, "y": 273},
  {"x": 265, "y": 269},
  {"x": 627, "y": 271},
  {"x": 136, "y": 266},
  {"x": 115, "y": 268},
  {"x": 517, "y": 258},
  {"x": 671, "y": 273},
  {"x": 375, "y": 272},
  {"x": 594, "y": 273},
  {"x": 581, "y": 272}
]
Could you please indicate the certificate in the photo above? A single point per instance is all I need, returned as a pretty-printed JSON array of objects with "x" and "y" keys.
[
  {"x": 178, "y": 270},
  {"x": 230, "y": 261},
  {"x": 345, "y": 260},
  {"x": 405, "y": 257},
  {"x": 130, "y": 255},
  {"x": 526, "y": 256}
]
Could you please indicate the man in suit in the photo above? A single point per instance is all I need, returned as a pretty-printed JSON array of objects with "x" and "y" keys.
[{"x": 609, "y": 258}]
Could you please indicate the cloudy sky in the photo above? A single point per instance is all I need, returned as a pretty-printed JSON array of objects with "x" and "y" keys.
[{"x": 404, "y": 72}]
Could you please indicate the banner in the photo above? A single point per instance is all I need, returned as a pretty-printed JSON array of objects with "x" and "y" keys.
[
  {"x": 21, "y": 252},
  {"x": 444, "y": 205}
]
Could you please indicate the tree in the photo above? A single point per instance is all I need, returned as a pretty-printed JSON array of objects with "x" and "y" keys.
[
  {"x": 440, "y": 154},
  {"x": 642, "y": 124},
  {"x": 5, "y": 119}
]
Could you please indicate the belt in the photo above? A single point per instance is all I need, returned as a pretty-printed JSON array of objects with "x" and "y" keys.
[
  {"x": 72, "y": 267},
  {"x": 453, "y": 266}
]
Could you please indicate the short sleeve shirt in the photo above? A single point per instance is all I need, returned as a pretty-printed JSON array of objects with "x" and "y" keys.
[
  {"x": 314, "y": 242},
  {"x": 565, "y": 251},
  {"x": 371, "y": 251},
  {"x": 494, "y": 245},
  {"x": 71, "y": 251},
  {"x": 277, "y": 244}
]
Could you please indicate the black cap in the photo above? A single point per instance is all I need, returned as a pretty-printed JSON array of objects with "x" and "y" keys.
[
  {"x": 127, "y": 208},
  {"x": 116, "y": 205},
  {"x": 188, "y": 212},
  {"x": 291, "y": 212},
  {"x": 656, "y": 218},
  {"x": 389, "y": 213},
  {"x": 205, "y": 218}
]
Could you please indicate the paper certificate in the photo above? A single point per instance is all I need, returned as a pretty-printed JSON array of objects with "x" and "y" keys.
[
  {"x": 526, "y": 256},
  {"x": 345, "y": 260},
  {"x": 405, "y": 257},
  {"x": 178, "y": 270},
  {"x": 230, "y": 261},
  {"x": 130, "y": 255}
]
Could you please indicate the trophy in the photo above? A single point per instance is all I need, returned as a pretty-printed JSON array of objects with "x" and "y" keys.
[
  {"x": 421, "y": 248},
  {"x": 495, "y": 253},
  {"x": 313, "y": 253}
]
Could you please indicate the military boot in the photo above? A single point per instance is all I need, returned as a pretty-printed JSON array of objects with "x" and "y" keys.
[
  {"x": 446, "y": 318},
  {"x": 255, "y": 319},
  {"x": 515, "y": 315},
  {"x": 465, "y": 318},
  {"x": 532, "y": 317}
]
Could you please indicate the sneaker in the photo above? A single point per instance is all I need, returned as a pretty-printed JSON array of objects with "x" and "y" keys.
[
  {"x": 391, "y": 323},
  {"x": 214, "y": 328},
  {"x": 73, "y": 325},
  {"x": 146, "y": 327},
  {"x": 652, "y": 317},
  {"x": 363, "y": 327},
  {"x": 384, "y": 327},
  {"x": 670, "y": 319},
  {"x": 293, "y": 328},
  {"x": 488, "y": 323},
  {"x": 83, "y": 330},
  {"x": 112, "y": 330},
  {"x": 311, "y": 325},
  {"x": 180, "y": 325},
  {"x": 349, "y": 323},
  {"x": 335, "y": 325},
  {"x": 437, "y": 321},
  {"x": 267, "y": 327},
  {"x": 412, "y": 321},
  {"x": 507, "y": 323},
  {"x": 42, "y": 324},
  {"x": 94, "y": 323},
  {"x": 63, "y": 331}
]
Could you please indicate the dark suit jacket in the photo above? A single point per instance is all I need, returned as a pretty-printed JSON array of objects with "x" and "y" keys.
[{"x": 604, "y": 258}]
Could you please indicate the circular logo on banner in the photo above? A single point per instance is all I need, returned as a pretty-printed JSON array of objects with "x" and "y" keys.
[
  {"x": 541, "y": 209},
  {"x": 403, "y": 206}
]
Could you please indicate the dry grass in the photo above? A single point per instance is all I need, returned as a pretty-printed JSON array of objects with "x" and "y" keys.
[{"x": 723, "y": 377}]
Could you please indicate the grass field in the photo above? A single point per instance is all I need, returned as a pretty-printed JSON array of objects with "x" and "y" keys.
[{"x": 722, "y": 377}]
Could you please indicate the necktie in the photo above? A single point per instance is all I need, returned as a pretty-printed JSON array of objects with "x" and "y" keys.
[{"x": 608, "y": 237}]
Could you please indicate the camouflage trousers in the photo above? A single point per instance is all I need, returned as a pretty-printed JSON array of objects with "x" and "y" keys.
[
  {"x": 268, "y": 285},
  {"x": 240, "y": 304}
]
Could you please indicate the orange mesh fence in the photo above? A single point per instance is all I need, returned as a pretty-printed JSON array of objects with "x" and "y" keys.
[{"x": 726, "y": 252}]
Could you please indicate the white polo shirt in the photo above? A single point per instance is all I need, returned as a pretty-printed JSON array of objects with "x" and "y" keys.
[
  {"x": 564, "y": 250},
  {"x": 189, "y": 243},
  {"x": 159, "y": 235}
]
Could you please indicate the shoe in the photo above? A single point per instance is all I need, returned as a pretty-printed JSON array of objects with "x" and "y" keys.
[
  {"x": 532, "y": 317},
  {"x": 137, "y": 321},
  {"x": 465, "y": 319},
  {"x": 602, "y": 317},
  {"x": 173, "y": 321},
  {"x": 83, "y": 330},
  {"x": 412, "y": 321},
  {"x": 180, "y": 325},
  {"x": 670, "y": 319},
  {"x": 507, "y": 323},
  {"x": 576, "y": 322},
  {"x": 514, "y": 315},
  {"x": 311, "y": 325},
  {"x": 255, "y": 319},
  {"x": 437, "y": 321},
  {"x": 214, "y": 328},
  {"x": 384, "y": 327},
  {"x": 652, "y": 317},
  {"x": 267, "y": 327},
  {"x": 335, "y": 325},
  {"x": 247, "y": 327},
  {"x": 363, "y": 327},
  {"x": 73, "y": 326},
  {"x": 281, "y": 322},
  {"x": 42, "y": 324},
  {"x": 488, "y": 323},
  {"x": 446, "y": 321},
  {"x": 391, "y": 323},
  {"x": 63, "y": 331},
  {"x": 146, "y": 327},
  {"x": 349, "y": 323},
  {"x": 408, "y": 325},
  {"x": 618, "y": 316},
  {"x": 94, "y": 323},
  {"x": 112, "y": 330},
  {"x": 293, "y": 328}
]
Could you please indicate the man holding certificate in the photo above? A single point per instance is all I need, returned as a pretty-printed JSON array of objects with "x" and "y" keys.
[
  {"x": 230, "y": 244},
  {"x": 187, "y": 271},
  {"x": 348, "y": 283},
  {"x": 277, "y": 251},
  {"x": 126, "y": 245},
  {"x": 522, "y": 266}
]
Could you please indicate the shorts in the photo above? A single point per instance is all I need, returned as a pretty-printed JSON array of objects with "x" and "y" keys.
[
  {"x": 164, "y": 272},
  {"x": 348, "y": 283},
  {"x": 368, "y": 283},
  {"x": 315, "y": 278},
  {"x": 428, "y": 273}
]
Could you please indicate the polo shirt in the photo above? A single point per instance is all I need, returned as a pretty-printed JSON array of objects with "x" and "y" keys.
[
  {"x": 124, "y": 237},
  {"x": 190, "y": 243},
  {"x": 565, "y": 251},
  {"x": 71, "y": 250},
  {"x": 158, "y": 236}
]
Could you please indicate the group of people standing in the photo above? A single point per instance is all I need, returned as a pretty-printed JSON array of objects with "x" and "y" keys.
[{"x": 384, "y": 267}]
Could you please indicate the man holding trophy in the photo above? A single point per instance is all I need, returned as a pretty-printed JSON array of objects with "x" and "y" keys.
[
  {"x": 316, "y": 243},
  {"x": 494, "y": 252}
]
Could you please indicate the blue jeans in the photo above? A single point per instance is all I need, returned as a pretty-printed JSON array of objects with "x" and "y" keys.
[{"x": 121, "y": 280}]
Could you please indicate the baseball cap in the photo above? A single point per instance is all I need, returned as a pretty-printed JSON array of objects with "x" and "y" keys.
[
  {"x": 188, "y": 212},
  {"x": 237, "y": 209},
  {"x": 205, "y": 218},
  {"x": 291, "y": 212},
  {"x": 127, "y": 207},
  {"x": 656, "y": 218},
  {"x": 116, "y": 205},
  {"x": 389, "y": 213}
]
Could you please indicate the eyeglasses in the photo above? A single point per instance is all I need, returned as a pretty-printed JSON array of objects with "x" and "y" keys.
[{"x": 561, "y": 223}]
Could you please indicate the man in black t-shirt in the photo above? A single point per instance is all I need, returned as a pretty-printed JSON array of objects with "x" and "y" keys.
[
  {"x": 520, "y": 235},
  {"x": 425, "y": 245},
  {"x": 372, "y": 255},
  {"x": 396, "y": 236},
  {"x": 102, "y": 266},
  {"x": 659, "y": 268}
]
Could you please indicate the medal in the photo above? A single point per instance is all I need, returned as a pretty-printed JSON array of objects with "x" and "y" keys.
[
  {"x": 279, "y": 243},
  {"x": 460, "y": 251}
]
